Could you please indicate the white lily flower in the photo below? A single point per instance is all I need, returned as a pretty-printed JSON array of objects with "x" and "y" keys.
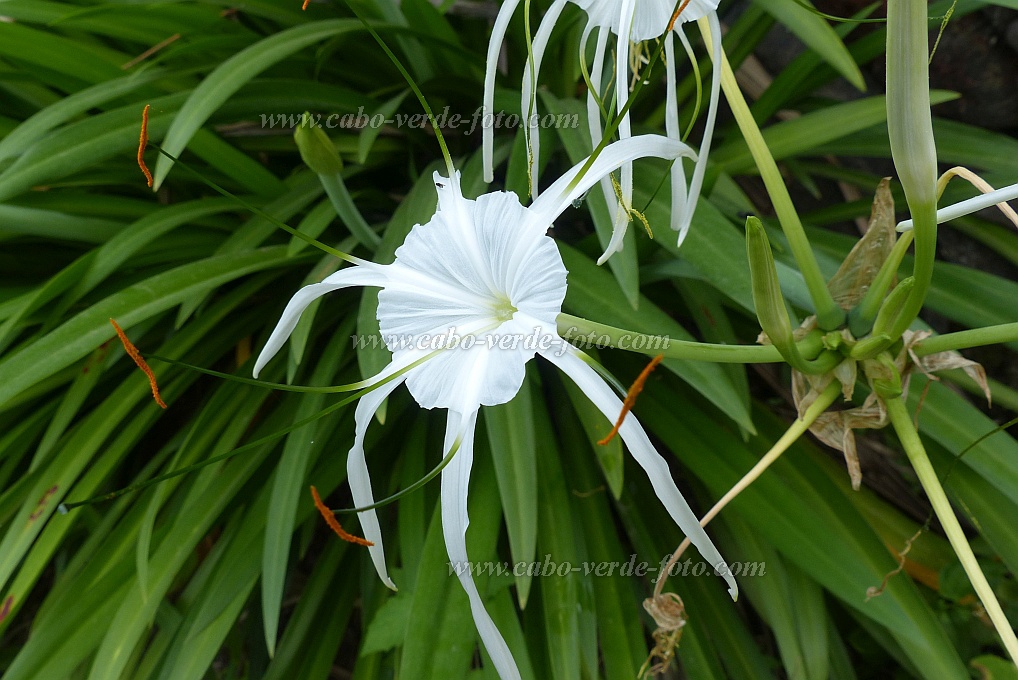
[
  {"x": 632, "y": 21},
  {"x": 484, "y": 268}
]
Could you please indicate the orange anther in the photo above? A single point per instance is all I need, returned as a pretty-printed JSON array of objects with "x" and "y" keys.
[
  {"x": 330, "y": 519},
  {"x": 305, "y": 5},
  {"x": 631, "y": 395},
  {"x": 133, "y": 352},
  {"x": 142, "y": 143},
  {"x": 675, "y": 17}
]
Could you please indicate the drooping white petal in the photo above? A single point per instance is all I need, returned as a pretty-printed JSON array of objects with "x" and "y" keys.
[
  {"x": 455, "y": 483},
  {"x": 528, "y": 92},
  {"x": 594, "y": 125},
  {"x": 621, "y": 206},
  {"x": 645, "y": 454},
  {"x": 505, "y": 13},
  {"x": 674, "y": 131},
  {"x": 359, "y": 477},
  {"x": 368, "y": 275},
  {"x": 970, "y": 206},
  {"x": 696, "y": 182},
  {"x": 573, "y": 184}
]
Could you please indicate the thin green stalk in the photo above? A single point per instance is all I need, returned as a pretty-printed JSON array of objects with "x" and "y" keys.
[
  {"x": 975, "y": 337},
  {"x": 902, "y": 422},
  {"x": 575, "y": 327},
  {"x": 861, "y": 318},
  {"x": 796, "y": 430},
  {"x": 829, "y": 314}
]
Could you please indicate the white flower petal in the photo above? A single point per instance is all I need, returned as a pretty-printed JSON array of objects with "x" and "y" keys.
[
  {"x": 528, "y": 92},
  {"x": 674, "y": 131},
  {"x": 646, "y": 455},
  {"x": 505, "y": 14},
  {"x": 651, "y": 18},
  {"x": 368, "y": 275},
  {"x": 445, "y": 250},
  {"x": 622, "y": 53},
  {"x": 970, "y": 206},
  {"x": 465, "y": 378},
  {"x": 594, "y": 124},
  {"x": 696, "y": 182},
  {"x": 572, "y": 185},
  {"x": 359, "y": 477},
  {"x": 455, "y": 484}
]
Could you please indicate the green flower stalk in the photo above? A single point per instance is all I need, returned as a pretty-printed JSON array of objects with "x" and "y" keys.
[{"x": 910, "y": 130}]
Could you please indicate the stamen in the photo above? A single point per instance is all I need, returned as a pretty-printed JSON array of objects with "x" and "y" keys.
[
  {"x": 142, "y": 143},
  {"x": 675, "y": 17},
  {"x": 305, "y": 5},
  {"x": 133, "y": 352},
  {"x": 630, "y": 401},
  {"x": 330, "y": 519}
]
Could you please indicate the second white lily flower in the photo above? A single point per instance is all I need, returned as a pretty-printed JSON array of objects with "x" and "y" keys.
[{"x": 632, "y": 21}]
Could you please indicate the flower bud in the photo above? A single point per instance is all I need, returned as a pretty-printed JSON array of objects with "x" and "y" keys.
[
  {"x": 767, "y": 297},
  {"x": 909, "y": 121},
  {"x": 316, "y": 149}
]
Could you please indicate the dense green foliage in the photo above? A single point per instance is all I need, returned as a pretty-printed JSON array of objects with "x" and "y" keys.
[{"x": 229, "y": 572}]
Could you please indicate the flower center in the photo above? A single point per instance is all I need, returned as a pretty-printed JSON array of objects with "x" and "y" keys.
[{"x": 503, "y": 308}]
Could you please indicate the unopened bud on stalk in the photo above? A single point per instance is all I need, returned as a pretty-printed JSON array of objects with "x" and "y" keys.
[
  {"x": 909, "y": 122},
  {"x": 910, "y": 129},
  {"x": 767, "y": 297},
  {"x": 316, "y": 149},
  {"x": 892, "y": 307}
]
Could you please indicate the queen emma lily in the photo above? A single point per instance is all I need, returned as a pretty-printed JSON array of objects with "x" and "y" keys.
[
  {"x": 484, "y": 268},
  {"x": 633, "y": 22}
]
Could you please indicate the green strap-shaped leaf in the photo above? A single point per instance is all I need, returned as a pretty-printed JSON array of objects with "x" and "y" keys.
[
  {"x": 229, "y": 76},
  {"x": 817, "y": 34}
]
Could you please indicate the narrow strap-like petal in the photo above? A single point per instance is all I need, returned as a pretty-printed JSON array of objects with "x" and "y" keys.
[
  {"x": 621, "y": 206},
  {"x": 528, "y": 92},
  {"x": 372, "y": 275},
  {"x": 359, "y": 477},
  {"x": 632, "y": 433},
  {"x": 969, "y": 206},
  {"x": 505, "y": 13},
  {"x": 455, "y": 483},
  {"x": 696, "y": 182},
  {"x": 674, "y": 131},
  {"x": 594, "y": 125},
  {"x": 572, "y": 185}
]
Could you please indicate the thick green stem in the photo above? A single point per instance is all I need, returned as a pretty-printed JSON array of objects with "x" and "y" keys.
[
  {"x": 574, "y": 327},
  {"x": 913, "y": 445},
  {"x": 975, "y": 337},
  {"x": 829, "y": 314}
]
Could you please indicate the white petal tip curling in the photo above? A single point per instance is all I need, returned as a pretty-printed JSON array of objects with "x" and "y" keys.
[
  {"x": 612, "y": 248},
  {"x": 904, "y": 226}
]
